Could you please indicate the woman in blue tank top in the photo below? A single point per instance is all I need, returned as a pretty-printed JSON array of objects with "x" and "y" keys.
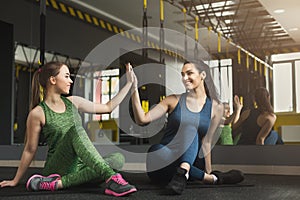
[
  {"x": 255, "y": 125},
  {"x": 193, "y": 120}
]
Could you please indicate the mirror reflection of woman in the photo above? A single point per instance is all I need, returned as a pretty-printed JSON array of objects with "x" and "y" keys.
[
  {"x": 226, "y": 137},
  {"x": 184, "y": 151},
  {"x": 255, "y": 125}
]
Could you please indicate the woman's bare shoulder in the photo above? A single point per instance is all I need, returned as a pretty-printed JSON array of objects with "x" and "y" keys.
[
  {"x": 76, "y": 100},
  {"x": 173, "y": 98},
  {"x": 217, "y": 108},
  {"x": 177, "y": 96},
  {"x": 269, "y": 116},
  {"x": 37, "y": 113},
  {"x": 170, "y": 102},
  {"x": 217, "y": 105}
]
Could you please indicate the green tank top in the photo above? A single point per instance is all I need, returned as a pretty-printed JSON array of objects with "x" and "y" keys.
[{"x": 58, "y": 124}]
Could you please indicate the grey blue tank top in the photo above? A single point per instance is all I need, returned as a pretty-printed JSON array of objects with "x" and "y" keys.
[
  {"x": 57, "y": 124},
  {"x": 182, "y": 119}
]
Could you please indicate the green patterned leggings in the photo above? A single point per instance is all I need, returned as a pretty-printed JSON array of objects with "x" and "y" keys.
[{"x": 78, "y": 161}]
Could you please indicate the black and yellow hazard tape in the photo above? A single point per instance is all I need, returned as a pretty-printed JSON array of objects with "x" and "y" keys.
[{"x": 88, "y": 18}]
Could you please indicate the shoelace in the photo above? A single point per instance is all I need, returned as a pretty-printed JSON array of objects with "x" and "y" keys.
[
  {"x": 48, "y": 185},
  {"x": 119, "y": 179}
]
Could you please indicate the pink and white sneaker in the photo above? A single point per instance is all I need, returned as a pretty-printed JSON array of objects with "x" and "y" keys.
[
  {"x": 117, "y": 186},
  {"x": 38, "y": 182}
]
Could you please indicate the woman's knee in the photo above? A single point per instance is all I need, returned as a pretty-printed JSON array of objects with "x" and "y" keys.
[
  {"x": 155, "y": 147},
  {"x": 271, "y": 138},
  {"x": 115, "y": 160},
  {"x": 159, "y": 156},
  {"x": 157, "y": 153}
]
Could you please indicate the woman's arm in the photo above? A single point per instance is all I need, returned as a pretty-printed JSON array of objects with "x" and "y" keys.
[
  {"x": 217, "y": 113},
  {"x": 33, "y": 129},
  {"x": 238, "y": 106},
  {"x": 241, "y": 119},
  {"x": 85, "y": 105},
  {"x": 155, "y": 113},
  {"x": 234, "y": 117},
  {"x": 268, "y": 121}
]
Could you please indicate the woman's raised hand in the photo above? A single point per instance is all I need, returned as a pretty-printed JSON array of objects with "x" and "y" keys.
[
  {"x": 131, "y": 77},
  {"x": 237, "y": 103},
  {"x": 129, "y": 73}
]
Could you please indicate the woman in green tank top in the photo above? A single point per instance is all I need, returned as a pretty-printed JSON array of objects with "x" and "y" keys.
[
  {"x": 226, "y": 137},
  {"x": 72, "y": 159}
]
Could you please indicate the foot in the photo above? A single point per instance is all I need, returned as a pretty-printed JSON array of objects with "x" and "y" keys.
[
  {"x": 117, "y": 186},
  {"x": 178, "y": 182},
  {"x": 230, "y": 177},
  {"x": 38, "y": 182}
]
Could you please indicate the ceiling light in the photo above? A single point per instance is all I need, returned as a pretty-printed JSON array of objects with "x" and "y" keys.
[
  {"x": 225, "y": 13},
  {"x": 294, "y": 29},
  {"x": 227, "y": 21},
  {"x": 279, "y": 11},
  {"x": 214, "y": 5}
]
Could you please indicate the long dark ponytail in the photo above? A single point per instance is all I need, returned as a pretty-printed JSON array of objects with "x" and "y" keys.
[
  {"x": 40, "y": 79},
  {"x": 262, "y": 99}
]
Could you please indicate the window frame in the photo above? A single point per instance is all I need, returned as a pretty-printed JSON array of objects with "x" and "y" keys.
[{"x": 293, "y": 78}]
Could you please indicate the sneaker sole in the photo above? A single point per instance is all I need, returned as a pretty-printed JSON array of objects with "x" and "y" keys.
[
  {"x": 40, "y": 176},
  {"x": 110, "y": 192}
]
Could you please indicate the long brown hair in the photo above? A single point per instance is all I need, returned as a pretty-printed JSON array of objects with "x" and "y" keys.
[
  {"x": 40, "y": 79},
  {"x": 262, "y": 99},
  {"x": 209, "y": 85}
]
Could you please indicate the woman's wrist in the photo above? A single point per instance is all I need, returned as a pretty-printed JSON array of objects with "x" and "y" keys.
[
  {"x": 239, "y": 109},
  {"x": 15, "y": 181},
  {"x": 133, "y": 88},
  {"x": 133, "y": 91}
]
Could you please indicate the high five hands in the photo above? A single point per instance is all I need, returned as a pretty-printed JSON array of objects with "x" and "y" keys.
[{"x": 130, "y": 75}]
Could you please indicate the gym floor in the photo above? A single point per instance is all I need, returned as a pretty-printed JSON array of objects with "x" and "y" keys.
[{"x": 253, "y": 187}]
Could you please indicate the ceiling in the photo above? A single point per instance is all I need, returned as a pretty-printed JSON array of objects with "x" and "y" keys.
[{"x": 250, "y": 24}]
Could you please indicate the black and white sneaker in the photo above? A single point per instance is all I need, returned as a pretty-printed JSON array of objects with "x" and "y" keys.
[
  {"x": 230, "y": 177},
  {"x": 178, "y": 182}
]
